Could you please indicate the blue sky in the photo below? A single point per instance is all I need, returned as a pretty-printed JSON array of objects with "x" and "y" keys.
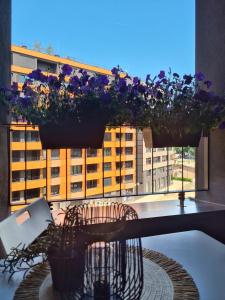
[{"x": 142, "y": 36}]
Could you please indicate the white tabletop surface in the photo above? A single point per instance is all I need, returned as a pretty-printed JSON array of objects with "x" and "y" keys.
[{"x": 202, "y": 256}]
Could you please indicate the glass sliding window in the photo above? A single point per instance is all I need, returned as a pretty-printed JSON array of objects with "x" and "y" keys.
[
  {"x": 55, "y": 189},
  {"x": 55, "y": 154},
  {"x": 55, "y": 171},
  {"x": 76, "y": 153},
  {"x": 76, "y": 187},
  {"x": 76, "y": 170},
  {"x": 92, "y": 184},
  {"x": 92, "y": 168}
]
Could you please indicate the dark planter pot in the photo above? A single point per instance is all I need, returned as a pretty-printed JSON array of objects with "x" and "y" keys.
[
  {"x": 67, "y": 269},
  {"x": 88, "y": 134},
  {"x": 171, "y": 139}
]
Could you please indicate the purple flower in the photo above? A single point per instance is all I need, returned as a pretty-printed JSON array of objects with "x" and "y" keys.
[
  {"x": 136, "y": 80},
  {"x": 141, "y": 89},
  {"x": 161, "y": 74},
  {"x": 187, "y": 79},
  {"x": 67, "y": 70},
  {"x": 103, "y": 80},
  {"x": 115, "y": 71},
  {"x": 38, "y": 75},
  {"x": 51, "y": 80},
  {"x": 75, "y": 81},
  {"x": 208, "y": 83},
  {"x": 83, "y": 72},
  {"x": 199, "y": 76}
]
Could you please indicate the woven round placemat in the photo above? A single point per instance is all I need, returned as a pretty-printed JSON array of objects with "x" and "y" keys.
[{"x": 164, "y": 279}]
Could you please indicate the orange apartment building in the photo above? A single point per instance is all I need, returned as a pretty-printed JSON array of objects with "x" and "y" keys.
[{"x": 70, "y": 173}]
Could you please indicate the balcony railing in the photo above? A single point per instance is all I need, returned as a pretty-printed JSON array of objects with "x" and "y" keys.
[{"x": 126, "y": 169}]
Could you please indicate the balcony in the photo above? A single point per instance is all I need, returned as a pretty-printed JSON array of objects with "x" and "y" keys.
[{"x": 146, "y": 174}]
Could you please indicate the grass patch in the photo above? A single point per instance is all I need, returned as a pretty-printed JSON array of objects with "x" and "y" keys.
[{"x": 180, "y": 179}]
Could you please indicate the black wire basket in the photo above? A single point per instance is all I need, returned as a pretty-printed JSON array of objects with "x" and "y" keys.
[{"x": 101, "y": 265}]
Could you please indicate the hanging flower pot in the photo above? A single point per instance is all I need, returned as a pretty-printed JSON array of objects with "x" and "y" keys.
[
  {"x": 70, "y": 134},
  {"x": 170, "y": 138}
]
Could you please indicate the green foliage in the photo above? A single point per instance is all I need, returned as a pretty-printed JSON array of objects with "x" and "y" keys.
[{"x": 180, "y": 179}]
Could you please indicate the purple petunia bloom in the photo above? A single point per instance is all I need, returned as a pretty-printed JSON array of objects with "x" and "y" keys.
[
  {"x": 67, "y": 70},
  {"x": 199, "y": 76},
  {"x": 136, "y": 80},
  {"x": 187, "y": 79},
  {"x": 162, "y": 74},
  {"x": 38, "y": 75},
  {"x": 51, "y": 80},
  {"x": 103, "y": 80},
  {"x": 115, "y": 71},
  {"x": 208, "y": 83}
]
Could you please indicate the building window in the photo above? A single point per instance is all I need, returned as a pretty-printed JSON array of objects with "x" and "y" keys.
[
  {"x": 76, "y": 187},
  {"x": 107, "y": 166},
  {"x": 18, "y": 136},
  {"x": 55, "y": 154},
  {"x": 164, "y": 157},
  {"x": 76, "y": 170},
  {"x": 107, "y": 151},
  {"x": 92, "y": 152},
  {"x": 119, "y": 165},
  {"x": 107, "y": 181},
  {"x": 107, "y": 137},
  {"x": 149, "y": 172},
  {"x": 129, "y": 136},
  {"x": 92, "y": 184},
  {"x": 128, "y": 178},
  {"x": 33, "y": 193},
  {"x": 148, "y": 150},
  {"x": 46, "y": 66},
  {"x": 148, "y": 161},
  {"x": 93, "y": 168},
  {"x": 156, "y": 159},
  {"x": 17, "y": 196},
  {"x": 33, "y": 174},
  {"x": 119, "y": 151},
  {"x": 128, "y": 150},
  {"x": 33, "y": 136},
  {"x": 33, "y": 155},
  {"x": 76, "y": 153},
  {"x": 18, "y": 156},
  {"x": 55, "y": 172},
  {"x": 55, "y": 189},
  {"x": 119, "y": 136},
  {"x": 18, "y": 176},
  {"x": 129, "y": 164}
]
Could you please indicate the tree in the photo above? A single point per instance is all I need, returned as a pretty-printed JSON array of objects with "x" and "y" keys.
[
  {"x": 37, "y": 46},
  {"x": 188, "y": 151},
  {"x": 50, "y": 50}
]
